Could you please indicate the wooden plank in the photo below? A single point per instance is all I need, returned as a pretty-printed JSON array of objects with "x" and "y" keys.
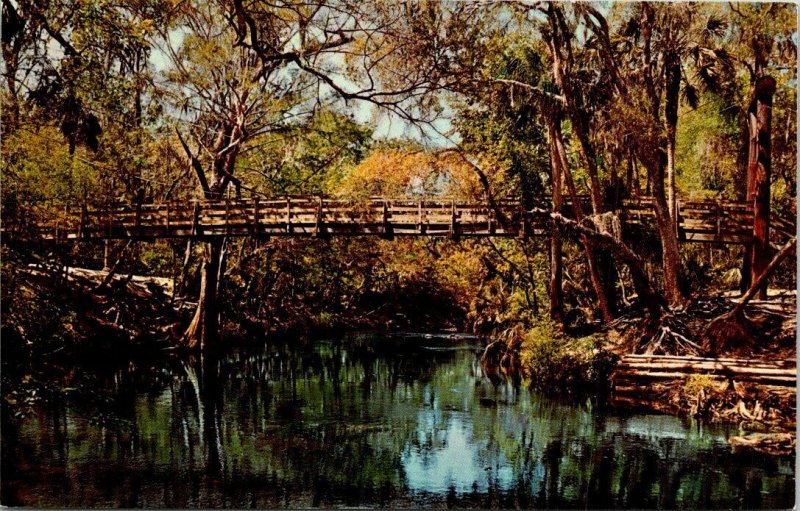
[{"x": 737, "y": 361}]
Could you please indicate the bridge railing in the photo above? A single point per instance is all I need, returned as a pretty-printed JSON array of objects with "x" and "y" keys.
[
  {"x": 700, "y": 220},
  {"x": 290, "y": 215}
]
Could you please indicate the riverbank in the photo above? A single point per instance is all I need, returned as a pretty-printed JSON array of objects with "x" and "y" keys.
[
  {"x": 66, "y": 306},
  {"x": 76, "y": 313},
  {"x": 760, "y": 399},
  {"x": 747, "y": 379}
]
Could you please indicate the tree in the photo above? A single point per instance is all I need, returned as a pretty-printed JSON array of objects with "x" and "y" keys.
[
  {"x": 247, "y": 71},
  {"x": 763, "y": 38}
]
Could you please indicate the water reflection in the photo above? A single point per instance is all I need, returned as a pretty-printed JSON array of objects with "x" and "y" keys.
[{"x": 343, "y": 424}]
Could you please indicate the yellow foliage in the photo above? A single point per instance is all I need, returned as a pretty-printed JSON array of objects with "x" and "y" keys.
[
  {"x": 696, "y": 382},
  {"x": 397, "y": 172}
]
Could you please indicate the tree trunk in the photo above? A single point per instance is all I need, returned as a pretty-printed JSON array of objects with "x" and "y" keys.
[
  {"x": 588, "y": 243},
  {"x": 180, "y": 288},
  {"x": 581, "y": 129},
  {"x": 759, "y": 175},
  {"x": 673, "y": 87},
  {"x": 203, "y": 331},
  {"x": 761, "y": 281},
  {"x": 652, "y": 300},
  {"x": 559, "y": 46},
  {"x": 632, "y": 181},
  {"x": 556, "y": 261},
  {"x": 655, "y": 161}
]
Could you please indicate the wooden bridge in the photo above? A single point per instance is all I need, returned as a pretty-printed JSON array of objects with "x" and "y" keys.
[{"x": 709, "y": 221}]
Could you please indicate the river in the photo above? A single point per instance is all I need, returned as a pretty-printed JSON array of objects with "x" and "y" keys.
[{"x": 361, "y": 422}]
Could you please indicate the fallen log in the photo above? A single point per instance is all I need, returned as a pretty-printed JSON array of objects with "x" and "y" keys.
[
  {"x": 735, "y": 361},
  {"x": 699, "y": 367},
  {"x": 782, "y": 380},
  {"x": 771, "y": 443}
]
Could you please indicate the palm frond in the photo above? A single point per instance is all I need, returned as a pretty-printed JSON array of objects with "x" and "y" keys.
[
  {"x": 691, "y": 95},
  {"x": 715, "y": 27}
]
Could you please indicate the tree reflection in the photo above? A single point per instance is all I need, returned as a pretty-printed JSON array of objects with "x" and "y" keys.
[{"x": 329, "y": 424}]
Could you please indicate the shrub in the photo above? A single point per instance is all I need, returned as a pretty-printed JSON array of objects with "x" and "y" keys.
[
  {"x": 157, "y": 259},
  {"x": 554, "y": 362}
]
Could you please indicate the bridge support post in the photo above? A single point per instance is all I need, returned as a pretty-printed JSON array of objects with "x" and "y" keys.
[
  {"x": 759, "y": 165},
  {"x": 319, "y": 228},
  {"x": 203, "y": 331}
]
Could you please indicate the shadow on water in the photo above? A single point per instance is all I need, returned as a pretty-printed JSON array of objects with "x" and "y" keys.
[{"x": 359, "y": 423}]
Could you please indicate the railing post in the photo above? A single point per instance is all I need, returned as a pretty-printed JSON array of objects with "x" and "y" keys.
[
  {"x": 256, "y": 220},
  {"x": 168, "y": 229},
  {"x": 82, "y": 224},
  {"x": 384, "y": 218},
  {"x": 453, "y": 221},
  {"x": 523, "y": 221},
  {"x": 288, "y": 215},
  {"x": 196, "y": 219},
  {"x": 227, "y": 212},
  {"x": 421, "y": 216},
  {"x": 318, "y": 227},
  {"x": 137, "y": 223}
]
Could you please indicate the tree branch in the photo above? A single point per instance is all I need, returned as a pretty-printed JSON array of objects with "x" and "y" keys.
[{"x": 195, "y": 163}]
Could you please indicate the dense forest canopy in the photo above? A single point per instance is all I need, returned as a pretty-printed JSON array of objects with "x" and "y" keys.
[{"x": 167, "y": 100}]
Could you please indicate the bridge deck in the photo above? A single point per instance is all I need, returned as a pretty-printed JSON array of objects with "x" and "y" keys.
[{"x": 700, "y": 220}]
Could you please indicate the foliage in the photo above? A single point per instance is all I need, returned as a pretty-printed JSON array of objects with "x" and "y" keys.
[
  {"x": 696, "y": 383},
  {"x": 145, "y": 100},
  {"x": 552, "y": 362}
]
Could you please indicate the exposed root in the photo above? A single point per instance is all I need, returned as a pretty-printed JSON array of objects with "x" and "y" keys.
[
  {"x": 501, "y": 358},
  {"x": 731, "y": 331},
  {"x": 671, "y": 337},
  {"x": 708, "y": 328}
]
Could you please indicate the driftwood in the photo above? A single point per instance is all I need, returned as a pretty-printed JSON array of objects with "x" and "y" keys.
[
  {"x": 774, "y": 380},
  {"x": 114, "y": 268},
  {"x": 748, "y": 362},
  {"x": 771, "y": 443}
]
